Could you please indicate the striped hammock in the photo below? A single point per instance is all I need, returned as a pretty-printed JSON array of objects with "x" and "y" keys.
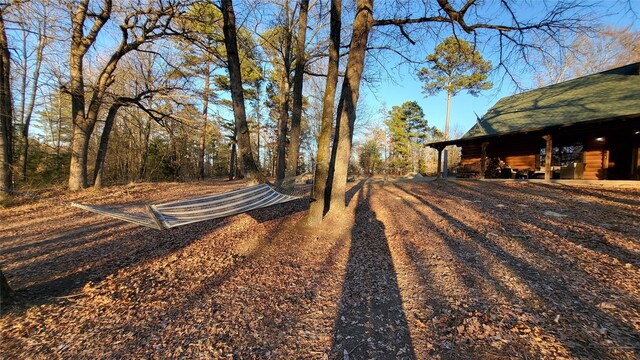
[{"x": 183, "y": 212}]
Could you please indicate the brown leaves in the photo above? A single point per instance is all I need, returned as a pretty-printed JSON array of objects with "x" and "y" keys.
[{"x": 472, "y": 280}]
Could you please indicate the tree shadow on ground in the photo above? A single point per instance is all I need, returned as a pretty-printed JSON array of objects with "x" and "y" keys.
[
  {"x": 351, "y": 193},
  {"x": 275, "y": 211},
  {"x": 371, "y": 322},
  {"x": 549, "y": 285},
  {"x": 585, "y": 233},
  {"x": 64, "y": 261}
]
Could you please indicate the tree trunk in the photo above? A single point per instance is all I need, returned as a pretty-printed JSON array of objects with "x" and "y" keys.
[
  {"x": 324, "y": 140},
  {"x": 30, "y": 106},
  {"x": 446, "y": 123},
  {"x": 5, "y": 290},
  {"x": 82, "y": 127},
  {"x": 348, "y": 102},
  {"x": 249, "y": 167},
  {"x": 6, "y": 116},
  {"x": 27, "y": 107},
  {"x": 296, "y": 117},
  {"x": 79, "y": 151},
  {"x": 483, "y": 159},
  {"x": 145, "y": 154},
  {"x": 104, "y": 144},
  {"x": 283, "y": 121},
  {"x": 232, "y": 162},
  {"x": 205, "y": 110},
  {"x": 5, "y": 135},
  {"x": 258, "y": 85},
  {"x": 282, "y": 132}
]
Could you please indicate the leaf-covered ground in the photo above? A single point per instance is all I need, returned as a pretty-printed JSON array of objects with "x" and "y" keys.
[{"x": 446, "y": 269}]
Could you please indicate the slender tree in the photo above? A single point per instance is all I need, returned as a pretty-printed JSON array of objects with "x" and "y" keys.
[
  {"x": 6, "y": 119},
  {"x": 249, "y": 168},
  {"x": 203, "y": 22},
  {"x": 296, "y": 116},
  {"x": 349, "y": 95},
  {"x": 317, "y": 208},
  {"x": 6, "y": 115},
  {"x": 455, "y": 66},
  {"x": 278, "y": 45},
  {"x": 82, "y": 126}
]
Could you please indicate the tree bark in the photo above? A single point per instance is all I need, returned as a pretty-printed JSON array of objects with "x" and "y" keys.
[
  {"x": 348, "y": 102},
  {"x": 483, "y": 159},
  {"x": 145, "y": 154},
  {"x": 6, "y": 119},
  {"x": 298, "y": 77},
  {"x": 205, "y": 110},
  {"x": 446, "y": 123},
  {"x": 82, "y": 127},
  {"x": 439, "y": 171},
  {"x": 282, "y": 132},
  {"x": 316, "y": 210},
  {"x": 5, "y": 290},
  {"x": 283, "y": 121},
  {"x": 6, "y": 116},
  {"x": 249, "y": 167},
  {"x": 104, "y": 144},
  {"x": 232, "y": 162},
  {"x": 258, "y": 119}
]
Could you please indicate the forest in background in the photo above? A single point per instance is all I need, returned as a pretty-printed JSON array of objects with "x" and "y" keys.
[{"x": 140, "y": 91}]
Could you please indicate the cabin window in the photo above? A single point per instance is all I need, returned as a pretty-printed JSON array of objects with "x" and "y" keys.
[{"x": 563, "y": 155}]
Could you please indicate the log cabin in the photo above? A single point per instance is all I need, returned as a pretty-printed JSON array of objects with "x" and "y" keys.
[{"x": 585, "y": 128}]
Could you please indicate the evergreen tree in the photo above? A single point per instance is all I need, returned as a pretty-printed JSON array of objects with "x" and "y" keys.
[
  {"x": 369, "y": 156},
  {"x": 408, "y": 131},
  {"x": 455, "y": 66}
]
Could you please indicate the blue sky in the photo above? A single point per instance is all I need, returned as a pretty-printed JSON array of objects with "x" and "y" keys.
[{"x": 464, "y": 107}]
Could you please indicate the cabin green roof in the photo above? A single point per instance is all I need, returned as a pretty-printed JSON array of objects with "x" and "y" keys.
[{"x": 607, "y": 95}]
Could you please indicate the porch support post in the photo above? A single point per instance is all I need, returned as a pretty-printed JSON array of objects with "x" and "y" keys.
[
  {"x": 548, "y": 157},
  {"x": 439, "y": 148},
  {"x": 483, "y": 159}
]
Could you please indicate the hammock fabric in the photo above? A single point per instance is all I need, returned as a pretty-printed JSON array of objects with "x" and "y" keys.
[{"x": 183, "y": 212}]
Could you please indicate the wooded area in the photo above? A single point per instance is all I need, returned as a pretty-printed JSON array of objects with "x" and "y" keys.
[{"x": 104, "y": 92}]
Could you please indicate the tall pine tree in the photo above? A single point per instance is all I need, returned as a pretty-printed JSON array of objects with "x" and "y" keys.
[{"x": 455, "y": 66}]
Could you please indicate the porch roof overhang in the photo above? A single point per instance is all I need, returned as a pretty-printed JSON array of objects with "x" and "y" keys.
[{"x": 621, "y": 121}]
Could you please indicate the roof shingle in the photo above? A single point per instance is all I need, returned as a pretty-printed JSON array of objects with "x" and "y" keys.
[{"x": 606, "y": 95}]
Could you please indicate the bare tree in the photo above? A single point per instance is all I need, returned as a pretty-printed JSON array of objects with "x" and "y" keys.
[
  {"x": 82, "y": 125},
  {"x": 346, "y": 115},
  {"x": 6, "y": 114},
  {"x": 296, "y": 116},
  {"x": 513, "y": 39},
  {"x": 33, "y": 21},
  {"x": 27, "y": 108},
  {"x": 140, "y": 26},
  {"x": 137, "y": 100},
  {"x": 6, "y": 119},
  {"x": 249, "y": 168},
  {"x": 317, "y": 208},
  {"x": 563, "y": 57}
]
